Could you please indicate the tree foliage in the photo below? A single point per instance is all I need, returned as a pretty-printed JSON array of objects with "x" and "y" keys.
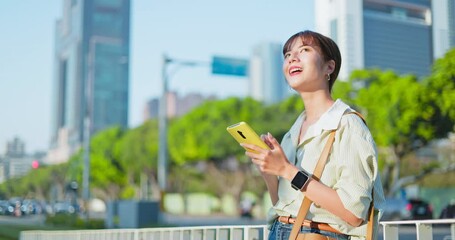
[
  {"x": 201, "y": 134},
  {"x": 36, "y": 184},
  {"x": 138, "y": 154},
  {"x": 106, "y": 171},
  {"x": 440, "y": 91}
]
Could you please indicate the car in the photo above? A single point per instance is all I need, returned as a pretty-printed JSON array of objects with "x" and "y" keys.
[
  {"x": 6, "y": 208},
  {"x": 448, "y": 211},
  {"x": 31, "y": 206},
  {"x": 406, "y": 209},
  {"x": 65, "y": 207}
]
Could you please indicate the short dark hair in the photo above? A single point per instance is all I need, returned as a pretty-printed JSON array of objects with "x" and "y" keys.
[{"x": 326, "y": 46}]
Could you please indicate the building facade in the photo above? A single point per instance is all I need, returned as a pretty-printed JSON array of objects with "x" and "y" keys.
[
  {"x": 91, "y": 73},
  {"x": 400, "y": 35},
  {"x": 176, "y": 105},
  {"x": 15, "y": 162},
  {"x": 267, "y": 82}
]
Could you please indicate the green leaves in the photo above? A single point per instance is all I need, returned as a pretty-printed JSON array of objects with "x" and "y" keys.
[
  {"x": 396, "y": 107},
  {"x": 201, "y": 134}
]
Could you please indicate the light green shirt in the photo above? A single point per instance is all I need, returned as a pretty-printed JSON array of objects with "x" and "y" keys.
[{"x": 351, "y": 168}]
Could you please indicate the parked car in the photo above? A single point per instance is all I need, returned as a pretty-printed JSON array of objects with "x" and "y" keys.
[
  {"x": 6, "y": 208},
  {"x": 31, "y": 206},
  {"x": 406, "y": 209},
  {"x": 65, "y": 207},
  {"x": 448, "y": 211}
]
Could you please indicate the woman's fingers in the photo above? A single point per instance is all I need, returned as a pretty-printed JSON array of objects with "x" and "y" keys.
[
  {"x": 259, "y": 163},
  {"x": 266, "y": 141},
  {"x": 252, "y": 147},
  {"x": 272, "y": 140}
]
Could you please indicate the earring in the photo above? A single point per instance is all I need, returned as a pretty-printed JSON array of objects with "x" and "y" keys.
[{"x": 328, "y": 77}]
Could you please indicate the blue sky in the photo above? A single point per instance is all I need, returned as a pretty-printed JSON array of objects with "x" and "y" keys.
[{"x": 187, "y": 30}]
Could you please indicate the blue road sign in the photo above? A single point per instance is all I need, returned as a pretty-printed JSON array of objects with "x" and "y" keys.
[{"x": 229, "y": 66}]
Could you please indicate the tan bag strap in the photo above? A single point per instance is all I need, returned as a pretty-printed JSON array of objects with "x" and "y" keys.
[
  {"x": 371, "y": 218},
  {"x": 316, "y": 175}
]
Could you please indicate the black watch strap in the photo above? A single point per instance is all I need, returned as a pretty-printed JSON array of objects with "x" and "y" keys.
[{"x": 299, "y": 180}]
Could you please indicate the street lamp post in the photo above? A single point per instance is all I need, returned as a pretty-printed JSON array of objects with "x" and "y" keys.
[
  {"x": 219, "y": 65},
  {"x": 162, "y": 128},
  {"x": 162, "y": 116}
]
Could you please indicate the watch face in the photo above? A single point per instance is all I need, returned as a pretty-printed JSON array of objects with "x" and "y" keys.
[
  {"x": 295, "y": 187},
  {"x": 299, "y": 180}
]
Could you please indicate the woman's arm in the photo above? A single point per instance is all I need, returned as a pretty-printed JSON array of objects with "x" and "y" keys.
[
  {"x": 324, "y": 197},
  {"x": 274, "y": 163},
  {"x": 328, "y": 199},
  {"x": 272, "y": 186}
]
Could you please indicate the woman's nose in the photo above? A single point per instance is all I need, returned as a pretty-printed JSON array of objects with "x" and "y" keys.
[{"x": 292, "y": 57}]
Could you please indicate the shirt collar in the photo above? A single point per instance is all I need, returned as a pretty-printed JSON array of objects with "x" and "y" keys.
[
  {"x": 332, "y": 117},
  {"x": 328, "y": 121}
]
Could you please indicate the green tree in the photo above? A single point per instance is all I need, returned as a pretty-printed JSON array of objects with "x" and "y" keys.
[
  {"x": 397, "y": 116},
  {"x": 280, "y": 117},
  {"x": 107, "y": 177},
  {"x": 398, "y": 112},
  {"x": 440, "y": 91},
  {"x": 36, "y": 184},
  {"x": 138, "y": 154},
  {"x": 201, "y": 134},
  {"x": 106, "y": 172}
]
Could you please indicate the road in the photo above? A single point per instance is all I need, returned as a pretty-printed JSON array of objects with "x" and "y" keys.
[{"x": 32, "y": 220}]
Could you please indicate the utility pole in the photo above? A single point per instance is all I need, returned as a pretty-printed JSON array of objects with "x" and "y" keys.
[
  {"x": 162, "y": 127},
  {"x": 162, "y": 118}
]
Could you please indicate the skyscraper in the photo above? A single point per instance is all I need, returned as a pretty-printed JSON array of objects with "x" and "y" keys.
[
  {"x": 267, "y": 81},
  {"x": 443, "y": 26},
  {"x": 401, "y": 35},
  {"x": 91, "y": 72}
]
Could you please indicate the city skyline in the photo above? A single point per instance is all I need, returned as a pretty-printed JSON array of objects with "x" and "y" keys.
[{"x": 182, "y": 30}]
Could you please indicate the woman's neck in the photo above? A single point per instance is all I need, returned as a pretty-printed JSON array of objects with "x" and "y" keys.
[{"x": 316, "y": 104}]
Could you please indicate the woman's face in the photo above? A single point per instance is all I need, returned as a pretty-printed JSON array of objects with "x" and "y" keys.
[{"x": 304, "y": 67}]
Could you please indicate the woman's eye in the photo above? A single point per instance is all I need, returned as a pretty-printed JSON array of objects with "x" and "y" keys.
[{"x": 287, "y": 55}]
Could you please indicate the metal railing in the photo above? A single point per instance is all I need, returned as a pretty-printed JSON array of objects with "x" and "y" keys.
[
  {"x": 253, "y": 232},
  {"x": 423, "y": 228},
  {"x": 390, "y": 231}
]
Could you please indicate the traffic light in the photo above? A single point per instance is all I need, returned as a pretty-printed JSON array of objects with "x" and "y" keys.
[{"x": 35, "y": 164}]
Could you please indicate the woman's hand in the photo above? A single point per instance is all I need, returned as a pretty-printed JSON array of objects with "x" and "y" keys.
[{"x": 273, "y": 161}]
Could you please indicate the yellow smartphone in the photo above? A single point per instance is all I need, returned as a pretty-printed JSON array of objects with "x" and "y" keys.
[{"x": 243, "y": 133}]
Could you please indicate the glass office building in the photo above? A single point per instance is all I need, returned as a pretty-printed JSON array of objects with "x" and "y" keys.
[
  {"x": 401, "y": 35},
  {"x": 267, "y": 82},
  {"x": 91, "y": 73}
]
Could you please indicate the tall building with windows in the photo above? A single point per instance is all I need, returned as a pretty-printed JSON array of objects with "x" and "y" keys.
[
  {"x": 16, "y": 162},
  {"x": 443, "y": 26},
  {"x": 91, "y": 72},
  {"x": 402, "y": 35},
  {"x": 267, "y": 82}
]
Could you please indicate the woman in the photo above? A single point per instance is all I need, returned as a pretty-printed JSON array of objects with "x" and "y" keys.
[{"x": 343, "y": 195}]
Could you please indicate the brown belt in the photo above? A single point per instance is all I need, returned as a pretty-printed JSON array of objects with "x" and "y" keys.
[{"x": 309, "y": 224}]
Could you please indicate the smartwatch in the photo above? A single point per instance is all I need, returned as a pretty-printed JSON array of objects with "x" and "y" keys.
[{"x": 299, "y": 181}]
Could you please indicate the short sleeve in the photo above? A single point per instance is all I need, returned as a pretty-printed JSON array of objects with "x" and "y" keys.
[{"x": 356, "y": 170}]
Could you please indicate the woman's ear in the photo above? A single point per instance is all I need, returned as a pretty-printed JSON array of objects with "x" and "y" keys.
[{"x": 330, "y": 66}]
